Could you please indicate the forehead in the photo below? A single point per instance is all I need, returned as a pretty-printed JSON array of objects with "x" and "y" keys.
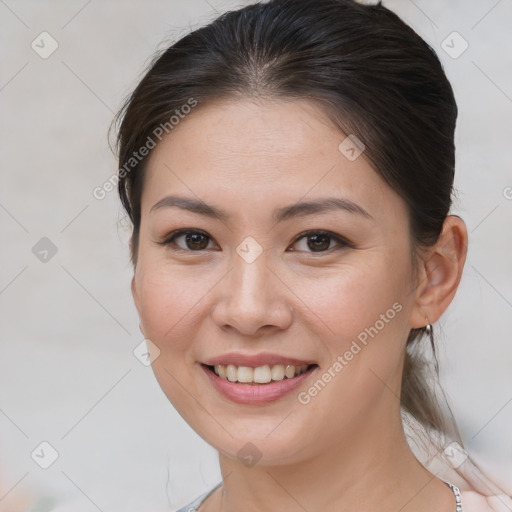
[
  {"x": 259, "y": 151},
  {"x": 261, "y": 130}
]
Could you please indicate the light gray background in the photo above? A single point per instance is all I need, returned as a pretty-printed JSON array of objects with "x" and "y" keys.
[{"x": 68, "y": 326}]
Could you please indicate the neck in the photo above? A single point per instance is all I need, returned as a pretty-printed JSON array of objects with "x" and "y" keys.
[{"x": 374, "y": 469}]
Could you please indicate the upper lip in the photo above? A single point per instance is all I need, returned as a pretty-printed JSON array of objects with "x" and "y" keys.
[{"x": 255, "y": 360}]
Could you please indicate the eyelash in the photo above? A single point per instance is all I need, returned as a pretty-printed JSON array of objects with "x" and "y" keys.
[{"x": 342, "y": 242}]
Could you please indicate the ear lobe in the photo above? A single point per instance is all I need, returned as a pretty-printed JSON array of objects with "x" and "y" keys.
[{"x": 441, "y": 272}]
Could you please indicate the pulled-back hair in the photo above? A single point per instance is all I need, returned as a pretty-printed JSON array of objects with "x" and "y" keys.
[{"x": 368, "y": 71}]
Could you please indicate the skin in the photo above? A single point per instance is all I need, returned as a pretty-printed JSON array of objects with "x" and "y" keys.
[{"x": 345, "y": 450}]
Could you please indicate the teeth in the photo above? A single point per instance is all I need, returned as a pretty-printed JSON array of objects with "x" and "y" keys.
[
  {"x": 289, "y": 371},
  {"x": 232, "y": 372},
  {"x": 260, "y": 374},
  {"x": 245, "y": 374},
  {"x": 277, "y": 372}
]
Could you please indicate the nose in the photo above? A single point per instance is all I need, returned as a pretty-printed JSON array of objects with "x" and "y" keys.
[{"x": 252, "y": 298}]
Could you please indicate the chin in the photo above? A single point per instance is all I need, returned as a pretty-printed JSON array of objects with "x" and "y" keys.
[{"x": 263, "y": 444}]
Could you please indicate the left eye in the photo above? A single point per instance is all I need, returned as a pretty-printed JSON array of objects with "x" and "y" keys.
[{"x": 319, "y": 241}]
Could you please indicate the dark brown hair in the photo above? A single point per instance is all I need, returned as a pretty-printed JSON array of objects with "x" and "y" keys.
[{"x": 372, "y": 74}]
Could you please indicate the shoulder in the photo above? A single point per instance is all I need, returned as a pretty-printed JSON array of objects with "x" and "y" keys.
[
  {"x": 193, "y": 505},
  {"x": 473, "y": 501},
  {"x": 450, "y": 462}
]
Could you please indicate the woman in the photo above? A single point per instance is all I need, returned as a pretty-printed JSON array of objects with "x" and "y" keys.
[{"x": 288, "y": 171}]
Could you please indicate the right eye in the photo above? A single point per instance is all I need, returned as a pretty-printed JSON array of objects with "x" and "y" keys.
[{"x": 194, "y": 240}]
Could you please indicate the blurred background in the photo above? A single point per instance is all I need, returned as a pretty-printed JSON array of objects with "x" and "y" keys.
[{"x": 84, "y": 425}]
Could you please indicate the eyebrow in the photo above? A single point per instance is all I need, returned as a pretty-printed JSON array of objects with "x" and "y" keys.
[{"x": 279, "y": 215}]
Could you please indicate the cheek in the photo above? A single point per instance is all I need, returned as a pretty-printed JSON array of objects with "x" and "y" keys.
[
  {"x": 360, "y": 314},
  {"x": 170, "y": 303},
  {"x": 170, "y": 298},
  {"x": 354, "y": 298},
  {"x": 364, "y": 313}
]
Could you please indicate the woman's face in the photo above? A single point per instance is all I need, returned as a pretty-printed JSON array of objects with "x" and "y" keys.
[{"x": 261, "y": 281}]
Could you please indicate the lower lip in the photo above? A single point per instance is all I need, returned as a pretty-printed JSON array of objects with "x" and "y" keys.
[{"x": 255, "y": 394}]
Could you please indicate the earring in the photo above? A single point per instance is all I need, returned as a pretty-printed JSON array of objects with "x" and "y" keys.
[{"x": 428, "y": 327}]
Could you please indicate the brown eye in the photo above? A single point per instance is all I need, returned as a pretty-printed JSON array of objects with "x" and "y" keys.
[
  {"x": 194, "y": 240},
  {"x": 320, "y": 241}
]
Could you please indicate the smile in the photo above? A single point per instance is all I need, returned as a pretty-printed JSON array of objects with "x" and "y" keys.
[
  {"x": 260, "y": 374},
  {"x": 256, "y": 385}
]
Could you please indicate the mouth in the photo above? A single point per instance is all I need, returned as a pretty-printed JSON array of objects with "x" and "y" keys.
[
  {"x": 259, "y": 375},
  {"x": 258, "y": 385}
]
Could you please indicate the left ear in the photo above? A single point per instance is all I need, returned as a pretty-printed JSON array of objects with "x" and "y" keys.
[{"x": 440, "y": 271}]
